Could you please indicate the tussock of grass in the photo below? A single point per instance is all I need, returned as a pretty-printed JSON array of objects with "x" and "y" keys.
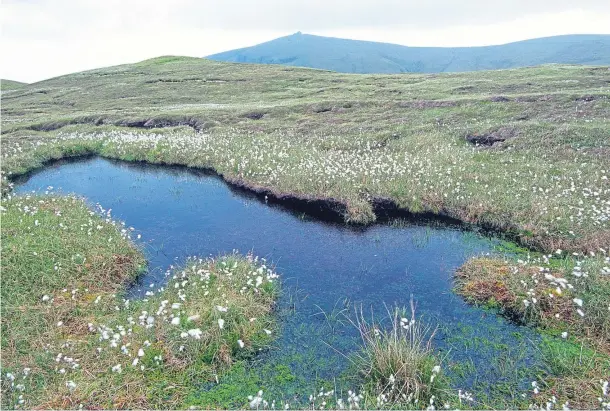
[
  {"x": 71, "y": 338},
  {"x": 397, "y": 362},
  {"x": 569, "y": 301},
  {"x": 551, "y": 293}
]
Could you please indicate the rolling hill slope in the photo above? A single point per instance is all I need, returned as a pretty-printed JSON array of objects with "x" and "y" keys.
[
  {"x": 354, "y": 56},
  {"x": 10, "y": 84}
]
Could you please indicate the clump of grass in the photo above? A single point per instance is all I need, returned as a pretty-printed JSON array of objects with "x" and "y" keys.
[
  {"x": 397, "y": 362},
  {"x": 565, "y": 296},
  {"x": 568, "y": 300},
  {"x": 71, "y": 338}
]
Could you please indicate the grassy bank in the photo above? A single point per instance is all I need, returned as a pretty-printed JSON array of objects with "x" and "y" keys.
[
  {"x": 71, "y": 337},
  {"x": 521, "y": 150},
  {"x": 568, "y": 299}
]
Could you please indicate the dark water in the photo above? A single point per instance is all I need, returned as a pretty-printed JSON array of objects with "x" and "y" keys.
[{"x": 181, "y": 213}]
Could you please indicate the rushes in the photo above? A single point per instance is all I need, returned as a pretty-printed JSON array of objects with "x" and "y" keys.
[{"x": 397, "y": 362}]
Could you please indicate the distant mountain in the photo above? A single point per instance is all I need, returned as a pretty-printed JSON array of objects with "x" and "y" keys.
[
  {"x": 10, "y": 84},
  {"x": 355, "y": 56}
]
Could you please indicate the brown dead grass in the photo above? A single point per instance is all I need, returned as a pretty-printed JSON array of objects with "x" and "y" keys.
[{"x": 493, "y": 282}]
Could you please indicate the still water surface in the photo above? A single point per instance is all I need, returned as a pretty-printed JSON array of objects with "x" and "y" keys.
[{"x": 325, "y": 267}]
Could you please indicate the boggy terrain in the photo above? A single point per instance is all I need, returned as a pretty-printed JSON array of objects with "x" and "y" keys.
[{"x": 524, "y": 152}]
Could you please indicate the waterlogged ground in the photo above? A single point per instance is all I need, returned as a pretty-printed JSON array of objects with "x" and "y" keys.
[{"x": 325, "y": 267}]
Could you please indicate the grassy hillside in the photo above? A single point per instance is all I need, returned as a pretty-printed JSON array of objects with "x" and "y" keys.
[
  {"x": 354, "y": 56},
  {"x": 522, "y": 150},
  {"x": 10, "y": 84}
]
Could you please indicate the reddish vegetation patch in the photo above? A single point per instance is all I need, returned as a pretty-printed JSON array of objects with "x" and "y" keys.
[
  {"x": 490, "y": 290},
  {"x": 537, "y": 294},
  {"x": 495, "y": 282}
]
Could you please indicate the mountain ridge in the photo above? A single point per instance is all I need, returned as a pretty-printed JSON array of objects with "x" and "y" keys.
[{"x": 360, "y": 56}]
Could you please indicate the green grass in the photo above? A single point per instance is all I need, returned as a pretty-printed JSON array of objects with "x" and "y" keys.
[
  {"x": 70, "y": 337},
  {"x": 397, "y": 363},
  {"x": 576, "y": 374},
  {"x": 6, "y": 85}
]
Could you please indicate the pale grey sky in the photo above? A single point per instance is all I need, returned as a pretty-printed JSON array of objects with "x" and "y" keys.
[{"x": 45, "y": 38}]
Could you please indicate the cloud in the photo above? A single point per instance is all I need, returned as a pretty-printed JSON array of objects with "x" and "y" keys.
[
  {"x": 44, "y": 38},
  {"x": 312, "y": 15}
]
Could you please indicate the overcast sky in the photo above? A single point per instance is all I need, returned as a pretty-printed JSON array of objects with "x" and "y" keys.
[{"x": 45, "y": 38}]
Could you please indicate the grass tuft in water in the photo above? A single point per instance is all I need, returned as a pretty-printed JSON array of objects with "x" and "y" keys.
[{"x": 397, "y": 362}]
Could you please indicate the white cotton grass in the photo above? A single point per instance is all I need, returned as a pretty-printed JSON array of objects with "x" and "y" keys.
[
  {"x": 162, "y": 311},
  {"x": 604, "y": 399},
  {"x": 257, "y": 401},
  {"x": 71, "y": 385},
  {"x": 121, "y": 336},
  {"x": 260, "y": 157},
  {"x": 535, "y": 387},
  {"x": 195, "y": 333}
]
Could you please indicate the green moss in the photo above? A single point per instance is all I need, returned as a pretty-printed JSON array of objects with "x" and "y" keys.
[
  {"x": 283, "y": 374},
  {"x": 236, "y": 385},
  {"x": 568, "y": 357}
]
